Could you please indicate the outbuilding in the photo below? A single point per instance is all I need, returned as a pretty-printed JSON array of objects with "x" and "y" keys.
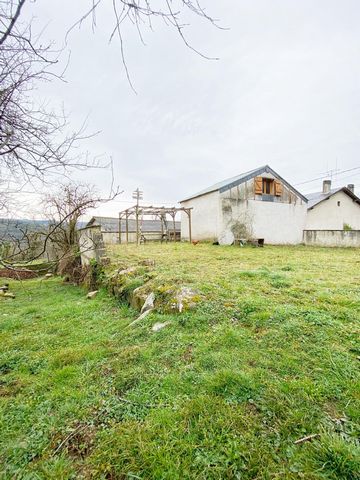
[
  {"x": 333, "y": 217},
  {"x": 110, "y": 229},
  {"x": 333, "y": 209},
  {"x": 258, "y": 204}
]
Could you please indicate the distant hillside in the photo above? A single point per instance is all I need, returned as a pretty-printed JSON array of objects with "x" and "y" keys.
[
  {"x": 11, "y": 229},
  {"x": 14, "y": 229}
]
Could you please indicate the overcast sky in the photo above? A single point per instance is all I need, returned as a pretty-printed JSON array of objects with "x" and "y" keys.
[{"x": 285, "y": 92}]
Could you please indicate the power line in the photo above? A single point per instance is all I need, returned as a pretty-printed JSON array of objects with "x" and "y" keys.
[{"x": 327, "y": 175}]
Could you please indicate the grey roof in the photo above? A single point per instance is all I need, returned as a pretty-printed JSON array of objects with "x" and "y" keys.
[
  {"x": 318, "y": 197},
  {"x": 239, "y": 179},
  {"x": 107, "y": 224},
  {"x": 110, "y": 224}
]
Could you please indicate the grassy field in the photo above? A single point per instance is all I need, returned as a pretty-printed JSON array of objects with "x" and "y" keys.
[{"x": 269, "y": 356}]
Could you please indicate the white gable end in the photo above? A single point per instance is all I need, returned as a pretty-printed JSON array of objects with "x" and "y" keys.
[{"x": 334, "y": 213}]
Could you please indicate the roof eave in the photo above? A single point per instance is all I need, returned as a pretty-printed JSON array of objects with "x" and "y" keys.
[
  {"x": 351, "y": 195},
  {"x": 90, "y": 222},
  {"x": 345, "y": 190},
  {"x": 198, "y": 195}
]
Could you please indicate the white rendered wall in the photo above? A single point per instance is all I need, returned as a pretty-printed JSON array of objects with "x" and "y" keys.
[
  {"x": 111, "y": 238},
  {"x": 275, "y": 222},
  {"x": 279, "y": 223},
  {"x": 91, "y": 244},
  {"x": 204, "y": 217},
  {"x": 327, "y": 215}
]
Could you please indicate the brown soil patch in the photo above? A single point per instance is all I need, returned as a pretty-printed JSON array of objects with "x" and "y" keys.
[{"x": 17, "y": 274}]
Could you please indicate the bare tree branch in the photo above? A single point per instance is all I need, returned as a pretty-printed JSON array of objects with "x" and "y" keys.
[
  {"x": 13, "y": 20},
  {"x": 63, "y": 209},
  {"x": 34, "y": 139},
  {"x": 141, "y": 13}
]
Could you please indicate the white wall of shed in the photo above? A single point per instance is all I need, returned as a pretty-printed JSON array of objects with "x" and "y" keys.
[
  {"x": 111, "y": 238},
  {"x": 204, "y": 217},
  {"x": 275, "y": 222},
  {"x": 327, "y": 215},
  {"x": 278, "y": 223}
]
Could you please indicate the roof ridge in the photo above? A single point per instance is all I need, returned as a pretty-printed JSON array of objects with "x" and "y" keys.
[
  {"x": 243, "y": 177},
  {"x": 216, "y": 186},
  {"x": 318, "y": 197}
]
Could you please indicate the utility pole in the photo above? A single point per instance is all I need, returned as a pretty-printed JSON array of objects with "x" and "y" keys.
[{"x": 137, "y": 195}]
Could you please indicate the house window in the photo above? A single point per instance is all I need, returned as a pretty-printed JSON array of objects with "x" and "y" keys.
[
  {"x": 267, "y": 186},
  {"x": 338, "y": 204}
]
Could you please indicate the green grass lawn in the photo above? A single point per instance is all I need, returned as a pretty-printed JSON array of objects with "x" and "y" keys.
[{"x": 269, "y": 356}]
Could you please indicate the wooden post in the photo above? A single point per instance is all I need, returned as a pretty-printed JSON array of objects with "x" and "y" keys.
[
  {"x": 137, "y": 225},
  {"x": 190, "y": 233},
  {"x": 157, "y": 212},
  {"x": 174, "y": 227},
  {"x": 127, "y": 228},
  {"x": 119, "y": 227},
  {"x": 162, "y": 226}
]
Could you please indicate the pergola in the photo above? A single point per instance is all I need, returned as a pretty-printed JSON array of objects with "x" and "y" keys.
[{"x": 138, "y": 212}]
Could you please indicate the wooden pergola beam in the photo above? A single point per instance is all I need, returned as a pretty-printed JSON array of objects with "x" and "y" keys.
[{"x": 150, "y": 210}]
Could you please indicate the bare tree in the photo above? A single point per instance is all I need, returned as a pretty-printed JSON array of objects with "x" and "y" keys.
[
  {"x": 64, "y": 209},
  {"x": 58, "y": 240},
  {"x": 33, "y": 138}
]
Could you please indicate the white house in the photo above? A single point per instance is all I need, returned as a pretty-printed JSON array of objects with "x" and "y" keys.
[
  {"x": 333, "y": 209},
  {"x": 256, "y": 204},
  {"x": 333, "y": 217}
]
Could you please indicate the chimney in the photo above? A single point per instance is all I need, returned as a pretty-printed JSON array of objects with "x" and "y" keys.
[
  {"x": 351, "y": 187},
  {"x": 326, "y": 186}
]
